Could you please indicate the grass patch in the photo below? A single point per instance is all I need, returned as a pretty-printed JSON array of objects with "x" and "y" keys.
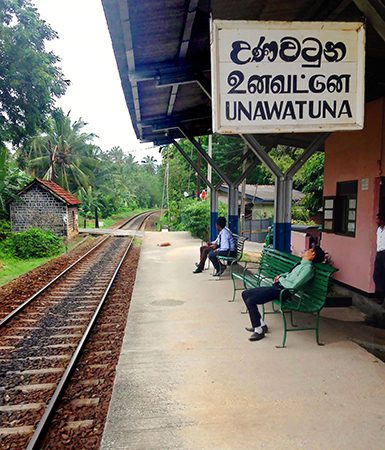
[
  {"x": 246, "y": 257},
  {"x": 11, "y": 268},
  {"x": 137, "y": 241}
]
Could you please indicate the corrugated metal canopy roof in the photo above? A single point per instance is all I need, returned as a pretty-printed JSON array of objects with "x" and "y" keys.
[{"x": 162, "y": 50}]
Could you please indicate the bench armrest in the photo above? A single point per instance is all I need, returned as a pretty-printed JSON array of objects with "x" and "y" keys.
[{"x": 284, "y": 293}]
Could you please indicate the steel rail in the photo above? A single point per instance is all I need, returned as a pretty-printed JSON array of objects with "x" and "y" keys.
[
  {"x": 44, "y": 288},
  {"x": 51, "y": 407}
]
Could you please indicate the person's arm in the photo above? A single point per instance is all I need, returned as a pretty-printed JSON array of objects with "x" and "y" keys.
[
  {"x": 297, "y": 278},
  {"x": 283, "y": 275},
  {"x": 214, "y": 244}
]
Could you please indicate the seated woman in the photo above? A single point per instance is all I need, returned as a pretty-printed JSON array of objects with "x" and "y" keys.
[{"x": 297, "y": 277}]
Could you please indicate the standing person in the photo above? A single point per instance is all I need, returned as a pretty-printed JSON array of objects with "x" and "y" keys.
[
  {"x": 225, "y": 246},
  {"x": 224, "y": 243},
  {"x": 379, "y": 263},
  {"x": 297, "y": 277}
]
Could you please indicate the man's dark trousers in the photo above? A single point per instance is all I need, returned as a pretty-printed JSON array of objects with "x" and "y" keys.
[
  {"x": 204, "y": 251},
  {"x": 213, "y": 257},
  {"x": 259, "y": 296},
  {"x": 379, "y": 273}
]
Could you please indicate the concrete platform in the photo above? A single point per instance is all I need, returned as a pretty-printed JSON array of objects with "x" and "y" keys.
[{"x": 188, "y": 378}]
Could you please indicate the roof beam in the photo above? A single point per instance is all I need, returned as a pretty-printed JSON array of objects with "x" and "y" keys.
[
  {"x": 163, "y": 123},
  {"x": 313, "y": 147},
  {"x": 374, "y": 11},
  {"x": 169, "y": 69},
  {"x": 338, "y": 10},
  {"x": 261, "y": 154},
  {"x": 187, "y": 31},
  {"x": 126, "y": 27},
  {"x": 192, "y": 164},
  {"x": 205, "y": 156},
  {"x": 204, "y": 85},
  {"x": 191, "y": 13}
]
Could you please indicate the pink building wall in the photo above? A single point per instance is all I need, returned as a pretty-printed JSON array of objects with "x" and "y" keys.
[{"x": 349, "y": 156}]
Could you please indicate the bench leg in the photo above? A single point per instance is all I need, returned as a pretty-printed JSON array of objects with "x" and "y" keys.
[
  {"x": 292, "y": 320},
  {"x": 284, "y": 331},
  {"x": 317, "y": 331},
  {"x": 235, "y": 289}
]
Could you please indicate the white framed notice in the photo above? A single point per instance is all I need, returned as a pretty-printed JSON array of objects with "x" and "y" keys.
[{"x": 287, "y": 76}]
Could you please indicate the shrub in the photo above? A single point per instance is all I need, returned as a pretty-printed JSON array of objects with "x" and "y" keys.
[
  {"x": 33, "y": 243},
  {"x": 5, "y": 229},
  {"x": 195, "y": 217},
  {"x": 300, "y": 214},
  {"x": 191, "y": 215}
]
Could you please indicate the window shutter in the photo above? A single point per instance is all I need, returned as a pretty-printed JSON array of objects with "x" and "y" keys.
[{"x": 329, "y": 206}]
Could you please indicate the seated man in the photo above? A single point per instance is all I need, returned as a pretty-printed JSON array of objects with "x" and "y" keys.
[
  {"x": 297, "y": 277},
  {"x": 223, "y": 245}
]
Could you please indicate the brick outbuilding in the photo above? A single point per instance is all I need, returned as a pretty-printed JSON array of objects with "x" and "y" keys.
[{"x": 44, "y": 204}]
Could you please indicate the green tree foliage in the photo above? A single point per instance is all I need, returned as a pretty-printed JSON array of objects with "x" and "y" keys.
[
  {"x": 123, "y": 183},
  {"x": 65, "y": 154},
  {"x": 191, "y": 215},
  {"x": 109, "y": 181},
  {"x": 149, "y": 162},
  {"x": 310, "y": 180},
  {"x": 228, "y": 152},
  {"x": 30, "y": 79},
  {"x": 12, "y": 179}
]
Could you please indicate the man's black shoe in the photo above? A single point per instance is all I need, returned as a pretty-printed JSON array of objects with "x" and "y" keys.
[
  {"x": 220, "y": 271},
  {"x": 256, "y": 336},
  {"x": 197, "y": 270},
  {"x": 251, "y": 330}
]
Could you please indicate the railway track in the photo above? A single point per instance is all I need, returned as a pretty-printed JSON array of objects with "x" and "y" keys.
[{"x": 42, "y": 340}]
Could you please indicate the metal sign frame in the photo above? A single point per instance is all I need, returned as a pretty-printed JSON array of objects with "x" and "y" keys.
[{"x": 260, "y": 56}]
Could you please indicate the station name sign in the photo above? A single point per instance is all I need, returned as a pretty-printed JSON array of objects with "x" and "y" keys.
[{"x": 287, "y": 76}]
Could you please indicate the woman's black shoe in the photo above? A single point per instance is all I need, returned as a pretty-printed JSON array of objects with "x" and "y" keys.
[{"x": 197, "y": 270}]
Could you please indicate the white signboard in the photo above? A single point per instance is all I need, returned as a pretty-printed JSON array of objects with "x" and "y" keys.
[{"x": 287, "y": 76}]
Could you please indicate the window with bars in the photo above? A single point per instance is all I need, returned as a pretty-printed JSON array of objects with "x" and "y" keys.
[{"x": 340, "y": 211}]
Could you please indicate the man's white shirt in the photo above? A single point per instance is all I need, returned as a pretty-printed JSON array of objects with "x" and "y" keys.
[
  {"x": 380, "y": 239},
  {"x": 225, "y": 240}
]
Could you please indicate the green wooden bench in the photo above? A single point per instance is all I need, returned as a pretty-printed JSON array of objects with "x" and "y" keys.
[
  {"x": 232, "y": 260},
  {"x": 308, "y": 299},
  {"x": 271, "y": 264}
]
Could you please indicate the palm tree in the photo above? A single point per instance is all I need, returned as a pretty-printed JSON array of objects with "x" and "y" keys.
[
  {"x": 65, "y": 155},
  {"x": 150, "y": 163},
  {"x": 116, "y": 155}
]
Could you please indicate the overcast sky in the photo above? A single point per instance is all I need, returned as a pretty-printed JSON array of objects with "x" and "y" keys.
[{"x": 88, "y": 61}]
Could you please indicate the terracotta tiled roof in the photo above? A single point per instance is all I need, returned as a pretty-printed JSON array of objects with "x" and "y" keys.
[{"x": 58, "y": 191}]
